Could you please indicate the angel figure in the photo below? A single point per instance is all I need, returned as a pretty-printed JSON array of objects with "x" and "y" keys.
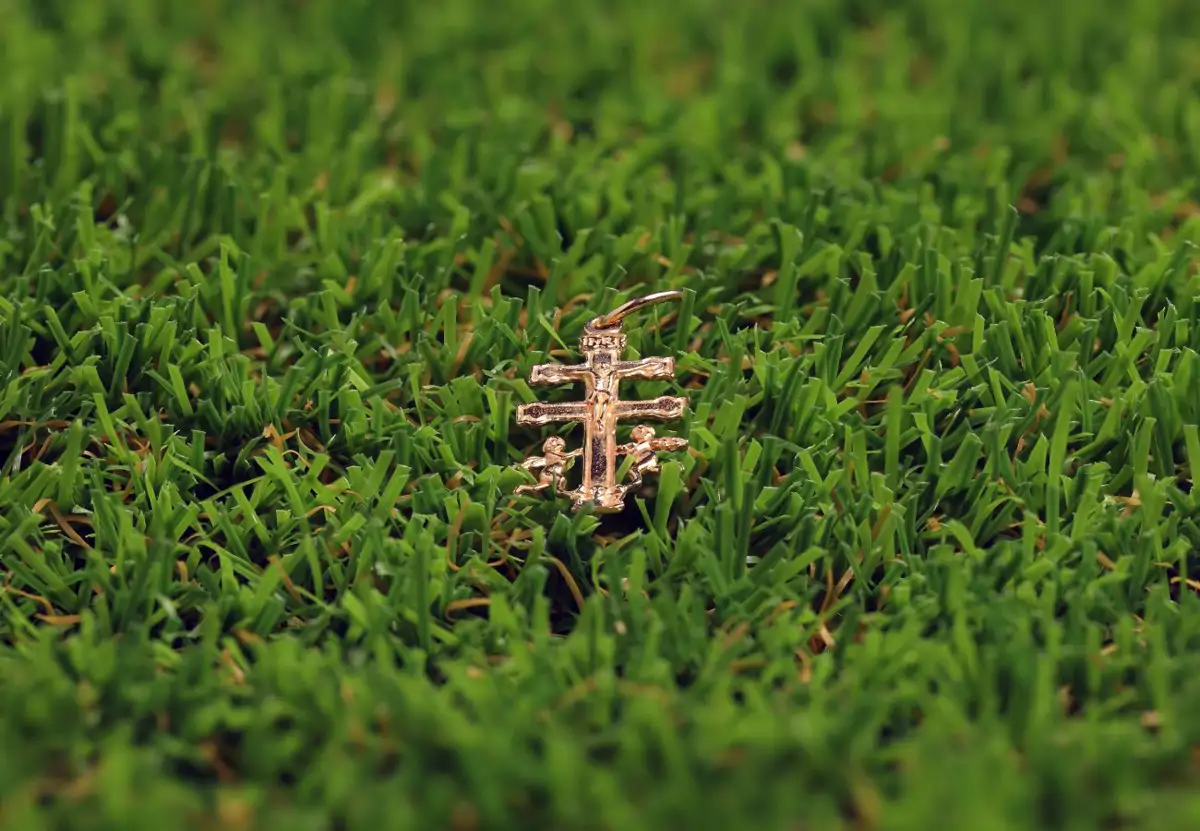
[
  {"x": 553, "y": 465},
  {"x": 644, "y": 448}
]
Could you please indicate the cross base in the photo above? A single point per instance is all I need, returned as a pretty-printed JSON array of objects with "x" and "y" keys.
[{"x": 603, "y": 500}]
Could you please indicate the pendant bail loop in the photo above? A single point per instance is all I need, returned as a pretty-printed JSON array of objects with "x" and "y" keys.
[{"x": 613, "y": 319}]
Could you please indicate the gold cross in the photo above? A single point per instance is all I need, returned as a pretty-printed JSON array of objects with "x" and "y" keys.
[{"x": 601, "y": 344}]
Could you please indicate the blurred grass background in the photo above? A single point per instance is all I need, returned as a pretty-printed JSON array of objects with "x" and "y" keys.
[{"x": 273, "y": 276}]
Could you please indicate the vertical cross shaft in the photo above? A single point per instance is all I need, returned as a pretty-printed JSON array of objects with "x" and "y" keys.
[{"x": 600, "y": 434}]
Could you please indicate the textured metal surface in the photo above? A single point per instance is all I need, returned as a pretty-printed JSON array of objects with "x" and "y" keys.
[{"x": 600, "y": 412}]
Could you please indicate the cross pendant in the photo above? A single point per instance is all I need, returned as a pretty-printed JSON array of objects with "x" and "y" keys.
[{"x": 601, "y": 410}]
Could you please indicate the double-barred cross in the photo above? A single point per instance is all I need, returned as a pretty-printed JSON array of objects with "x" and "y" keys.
[{"x": 602, "y": 408}]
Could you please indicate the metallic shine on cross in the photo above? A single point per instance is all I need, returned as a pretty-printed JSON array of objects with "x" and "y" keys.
[{"x": 602, "y": 344}]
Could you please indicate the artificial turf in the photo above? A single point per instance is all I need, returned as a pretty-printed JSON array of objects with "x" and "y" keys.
[{"x": 274, "y": 274}]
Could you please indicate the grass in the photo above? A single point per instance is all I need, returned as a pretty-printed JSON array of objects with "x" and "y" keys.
[{"x": 273, "y": 276}]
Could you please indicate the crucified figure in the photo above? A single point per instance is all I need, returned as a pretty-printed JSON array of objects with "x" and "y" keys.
[
  {"x": 553, "y": 465},
  {"x": 644, "y": 448}
]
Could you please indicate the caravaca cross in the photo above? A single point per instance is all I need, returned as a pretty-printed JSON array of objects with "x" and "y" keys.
[{"x": 602, "y": 344}]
